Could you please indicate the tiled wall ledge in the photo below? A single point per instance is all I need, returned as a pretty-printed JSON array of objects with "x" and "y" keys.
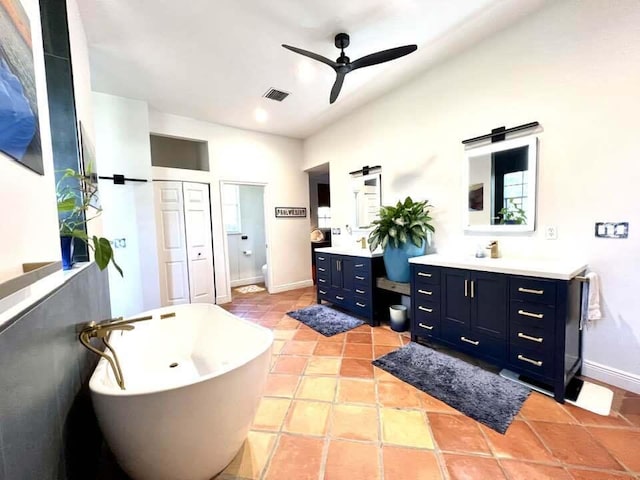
[{"x": 22, "y": 293}]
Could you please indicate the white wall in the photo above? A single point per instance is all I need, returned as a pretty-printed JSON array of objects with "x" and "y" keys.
[
  {"x": 30, "y": 220},
  {"x": 246, "y": 268},
  {"x": 246, "y": 156},
  {"x": 122, "y": 147},
  {"x": 573, "y": 67}
]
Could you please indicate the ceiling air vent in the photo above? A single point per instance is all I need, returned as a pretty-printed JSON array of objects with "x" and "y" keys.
[{"x": 275, "y": 94}]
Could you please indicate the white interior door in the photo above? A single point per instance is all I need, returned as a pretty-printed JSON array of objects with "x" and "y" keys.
[
  {"x": 172, "y": 251},
  {"x": 197, "y": 214}
]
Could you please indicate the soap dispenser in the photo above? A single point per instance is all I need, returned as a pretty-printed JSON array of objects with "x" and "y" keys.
[{"x": 493, "y": 246}]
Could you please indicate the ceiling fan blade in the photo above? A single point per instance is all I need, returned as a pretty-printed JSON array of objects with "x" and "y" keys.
[
  {"x": 312, "y": 55},
  {"x": 337, "y": 86},
  {"x": 383, "y": 56}
]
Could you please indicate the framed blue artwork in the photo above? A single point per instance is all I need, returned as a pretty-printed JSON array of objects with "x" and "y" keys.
[{"x": 19, "y": 126}]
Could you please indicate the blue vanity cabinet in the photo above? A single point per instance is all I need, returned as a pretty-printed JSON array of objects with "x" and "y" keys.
[
  {"x": 348, "y": 282},
  {"x": 527, "y": 324}
]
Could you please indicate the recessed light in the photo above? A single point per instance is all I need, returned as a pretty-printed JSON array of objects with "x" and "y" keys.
[{"x": 261, "y": 115}]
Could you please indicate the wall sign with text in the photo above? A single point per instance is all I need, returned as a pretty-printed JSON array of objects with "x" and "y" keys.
[{"x": 299, "y": 212}]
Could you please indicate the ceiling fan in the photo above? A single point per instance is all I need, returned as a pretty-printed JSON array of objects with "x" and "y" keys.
[{"x": 344, "y": 65}]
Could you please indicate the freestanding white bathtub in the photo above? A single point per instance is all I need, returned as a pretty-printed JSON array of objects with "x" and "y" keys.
[{"x": 193, "y": 384}]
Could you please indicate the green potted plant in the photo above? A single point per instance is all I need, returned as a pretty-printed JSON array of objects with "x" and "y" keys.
[
  {"x": 77, "y": 198},
  {"x": 512, "y": 214},
  {"x": 402, "y": 231}
]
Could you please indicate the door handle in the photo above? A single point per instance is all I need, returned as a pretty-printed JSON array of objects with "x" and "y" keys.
[
  {"x": 472, "y": 284},
  {"x": 529, "y": 290},
  {"x": 529, "y": 337},
  {"x": 466, "y": 282},
  {"x": 529, "y": 314}
]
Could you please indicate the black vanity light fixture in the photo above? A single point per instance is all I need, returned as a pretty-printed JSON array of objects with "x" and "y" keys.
[
  {"x": 366, "y": 170},
  {"x": 500, "y": 133},
  {"x": 121, "y": 179}
]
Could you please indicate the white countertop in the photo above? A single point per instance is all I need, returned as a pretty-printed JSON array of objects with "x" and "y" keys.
[
  {"x": 559, "y": 269},
  {"x": 350, "y": 251}
]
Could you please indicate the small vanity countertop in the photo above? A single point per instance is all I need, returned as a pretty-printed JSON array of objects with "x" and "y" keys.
[
  {"x": 350, "y": 251},
  {"x": 560, "y": 269}
]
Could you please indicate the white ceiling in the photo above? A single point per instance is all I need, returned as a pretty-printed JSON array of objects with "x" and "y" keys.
[{"x": 213, "y": 60}]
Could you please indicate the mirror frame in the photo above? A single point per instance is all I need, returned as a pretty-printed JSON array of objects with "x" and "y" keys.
[
  {"x": 354, "y": 206},
  {"x": 532, "y": 142}
]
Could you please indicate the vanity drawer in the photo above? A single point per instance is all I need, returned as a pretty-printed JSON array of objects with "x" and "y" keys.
[
  {"x": 426, "y": 274},
  {"x": 322, "y": 260},
  {"x": 362, "y": 290},
  {"x": 339, "y": 298},
  {"x": 427, "y": 292},
  {"x": 531, "y": 337},
  {"x": 323, "y": 279},
  {"x": 474, "y": 343},
  {"x": 426, "y": 319},
  {"x": 325, "y": 293},
  {"x": 362, "y": 306},
  {"x": 533, "y": 290},
  {"x": 533, "y": 314},
  {"x": 363, "y": 277},
  {"x": 539, "y": 362},
  {"x": 322, "y": 269},
  {"x": 362, "y": 266}
]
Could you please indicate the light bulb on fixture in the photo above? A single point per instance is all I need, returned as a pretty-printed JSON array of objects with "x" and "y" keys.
[{"x": 261, "y": 115}]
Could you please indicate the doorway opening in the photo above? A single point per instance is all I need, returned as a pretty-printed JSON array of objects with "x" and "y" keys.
[
  {"x": 243, "y": 214},
  {"x": 319, "y": 211}
]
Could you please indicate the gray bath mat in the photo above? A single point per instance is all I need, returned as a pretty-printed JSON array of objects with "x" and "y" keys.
[
  {"x": 325, "y": 320},
  {"x": 481, "y": 395}
]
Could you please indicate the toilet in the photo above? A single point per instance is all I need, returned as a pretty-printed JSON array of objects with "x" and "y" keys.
[{"x": 265, "y": 274}]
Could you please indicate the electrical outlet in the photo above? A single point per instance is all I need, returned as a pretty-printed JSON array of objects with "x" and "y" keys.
[{"x": 551, "y": 232}]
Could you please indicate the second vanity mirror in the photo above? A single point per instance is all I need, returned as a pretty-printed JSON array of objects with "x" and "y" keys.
[
  {"x": 367, "y": 199},
  {"x": 500, "y": 186}
]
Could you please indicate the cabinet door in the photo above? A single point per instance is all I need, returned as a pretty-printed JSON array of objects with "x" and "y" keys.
[
  {"x": 455, "y": 296},
  {"x": 489, "y": 303},
  {"x": 348, "y": 273},
  {"x": 336, "y": 271}
]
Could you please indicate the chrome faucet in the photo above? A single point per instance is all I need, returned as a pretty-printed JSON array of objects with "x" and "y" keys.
[{"x": 103, "y": 329}]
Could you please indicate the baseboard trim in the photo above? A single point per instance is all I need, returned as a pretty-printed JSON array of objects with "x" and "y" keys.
[
  {"x": 247, "y": 281},
  {"x": 612, "y": 376},
  {"x": 223, "y": 299},
  {"x": 291, "y": 286}
]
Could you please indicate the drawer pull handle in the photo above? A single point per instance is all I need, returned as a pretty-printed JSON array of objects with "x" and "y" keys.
[
  {"x": 321, "y": 269},
  {"x": 422, "y": 274},
  {"x": 359, "y": 278},
  {"x": 360, "y": 304},
  {"x": 425, "y": 309},
  {"x": 529, "y": 290},
  {"x": 425, "y": 292},
  {"x": 322, "y": 280},
  {"x": 537, "y": 363},
  {"x": 428, "y": 327},
  {"x": 360, "y": 291},
  {"x": 339, "y": 297},
  {"x": 320, "y": 258},
  {"x": 472, "y": 342},
  {"x": 322, "y": 292},
  {"x": 360, "y": 265},
  {"x": 529, "y": 314},
  {"x": 529, "y": 337}
]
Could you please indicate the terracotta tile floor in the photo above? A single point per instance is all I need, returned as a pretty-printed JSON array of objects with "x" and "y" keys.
[{"x": 328, "y": 414}]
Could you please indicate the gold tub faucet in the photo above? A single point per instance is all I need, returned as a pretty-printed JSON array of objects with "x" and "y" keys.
[{"x": 102, "y": 331}]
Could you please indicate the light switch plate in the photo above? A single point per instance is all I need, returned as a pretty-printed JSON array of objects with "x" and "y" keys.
[
  {"x": 551, "y": 232},
  {"x": 612, "y": 229}
]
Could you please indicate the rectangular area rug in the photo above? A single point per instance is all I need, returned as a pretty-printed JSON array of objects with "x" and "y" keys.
[
  {"x": 479, "y": 394},
  {"x": 325, "y": 320}
]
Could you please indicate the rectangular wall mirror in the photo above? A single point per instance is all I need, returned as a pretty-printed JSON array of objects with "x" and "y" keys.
[
  {"x": 500, "y": 186},
  {"x": 367, "y": 199}
]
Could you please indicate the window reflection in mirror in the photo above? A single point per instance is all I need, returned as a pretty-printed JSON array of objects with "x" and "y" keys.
[
  {"x": 500, "y": 185},
  {"x": 367, "y": 199}
]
